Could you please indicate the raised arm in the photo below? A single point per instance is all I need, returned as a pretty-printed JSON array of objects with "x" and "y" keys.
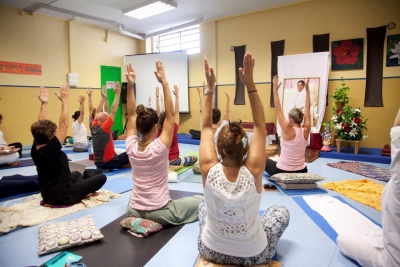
[
  {"x": 168, "y": 127},
  {"x": 199, "y": 96},
  {"x": 279, "y": 113},
  {"x": 114, "y": 107},
  {"x": 162, "y": 104},
  {"x": 227, "y": 110},
  {"x": 101, "y": 103},
  {"x": 131, "y": 101},
  {"x": 89, "y": 92},
  {"x": 397, "y": 119},
  {"x": 307, "y": 116},
  {"x": 149, "y": 103},
  {"x": 257, "y": 144},
  {"x": 104, "y": 93},
  {"x": 81, "y": 101},
  {"x": 176, "y": 93},
  {"x": 208, "y": 155},
  {"x": 63, "y": 124},
  {"x": 157, "y": 101},
  {"x": 44, "y": 98}
]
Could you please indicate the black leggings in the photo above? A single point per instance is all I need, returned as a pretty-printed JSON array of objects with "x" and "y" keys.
[
  {"x": 18, "y": 184},
  {"x": 80, "y": 187},
  {"x": 271, "y": 169},
  {"x": 17, "y": 145}
]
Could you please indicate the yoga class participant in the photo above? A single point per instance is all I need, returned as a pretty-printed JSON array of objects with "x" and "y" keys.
[
  {"x": 294, "y": 135},
  {"x": 381, "y": 249},
  {"x": 149, "y": 155},
  {"x": 106, "y": 158},
  {"x": 92, "y": 110},
  {"x": 80, "y": 132},
  {"x": 231, "y": 229},
  {"x": 174, "y": 158},
  {"x": 9, "y": 153},
  {"x": 58, "y": 185}
]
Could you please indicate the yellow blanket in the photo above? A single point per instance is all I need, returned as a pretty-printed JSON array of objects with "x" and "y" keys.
[{"x": 364, "y": 191}]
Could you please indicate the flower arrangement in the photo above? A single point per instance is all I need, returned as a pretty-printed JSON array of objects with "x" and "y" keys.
[{"x": 349, "y": 124}]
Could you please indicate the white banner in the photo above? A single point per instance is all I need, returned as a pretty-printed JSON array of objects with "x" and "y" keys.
[{"x": 293, "y": 71}]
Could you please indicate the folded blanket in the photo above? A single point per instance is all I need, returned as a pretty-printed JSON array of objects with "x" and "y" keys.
[
  {"x": 30, "y": 212},
  {"x": 364, "y": 191},
  {"x": 201, "y": 262}
]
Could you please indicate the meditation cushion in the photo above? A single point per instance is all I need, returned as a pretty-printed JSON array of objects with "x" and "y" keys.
[
  {"x": 296, "y": 178},
  {"x": 140, "y": 227},
  {"x": 62, "y": 235}
]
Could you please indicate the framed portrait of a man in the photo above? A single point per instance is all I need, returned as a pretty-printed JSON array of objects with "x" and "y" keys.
[{"x": 294, "y": 95}]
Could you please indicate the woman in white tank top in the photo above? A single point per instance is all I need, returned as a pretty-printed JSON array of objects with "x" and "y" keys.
[
  {"x": 231, "y": 229},
  {"x": 294, "y": 136}
]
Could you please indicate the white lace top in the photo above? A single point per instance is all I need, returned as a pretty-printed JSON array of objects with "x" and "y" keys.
[{"x": 233, "y": 224}]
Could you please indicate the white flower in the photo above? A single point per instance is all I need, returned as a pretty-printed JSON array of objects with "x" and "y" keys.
[
  {"x": 396, "y": 52},
  {"x": 365, "y": 136},
  {"x": 334, "y": 118},
  {"x": 357, "y": 109},
  {"x": 338, "y": 126},
  {"x": 353, "y": 123},
  {"x": 353, "y": 133}
]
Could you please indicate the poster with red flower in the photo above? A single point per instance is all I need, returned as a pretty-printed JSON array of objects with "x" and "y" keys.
[{"x": 348, "y": 54}]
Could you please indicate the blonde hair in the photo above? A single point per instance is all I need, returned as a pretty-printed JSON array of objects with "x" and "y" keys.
[{"x": 296, "y": 115}]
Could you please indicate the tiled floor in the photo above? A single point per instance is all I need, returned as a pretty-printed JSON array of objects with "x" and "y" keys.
[{"x": 302, "y": 244}]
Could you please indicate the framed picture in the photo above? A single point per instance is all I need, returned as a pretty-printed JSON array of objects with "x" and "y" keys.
[
  {"x": 393, "y": 51},
  {"x": 348, "y": 54},
  {"x": 294, "y": 95}
]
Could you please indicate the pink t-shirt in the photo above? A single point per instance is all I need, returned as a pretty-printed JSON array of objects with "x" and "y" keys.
[
  {"x": 149, "y": 174},
  {"x": 292, "y": 156}
]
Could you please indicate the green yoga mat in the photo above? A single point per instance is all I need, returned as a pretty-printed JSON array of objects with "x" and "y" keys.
[
  {"x": 193, "y": 178},
  {"x": 192, "y": 153}
]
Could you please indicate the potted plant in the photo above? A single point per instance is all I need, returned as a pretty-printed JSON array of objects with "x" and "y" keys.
[
  {"x": 349, "y": 124},
  {"x": 341, "y": 96}
]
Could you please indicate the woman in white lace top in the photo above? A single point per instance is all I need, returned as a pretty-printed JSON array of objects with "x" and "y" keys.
[{"x": 231, "y": 229}]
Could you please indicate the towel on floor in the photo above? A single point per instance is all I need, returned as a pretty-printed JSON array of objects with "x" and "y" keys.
[
  {"x": 364, "y": 191},
  {"x": 201, "y": 262},
  {"x": 363, "y": 169},
  {"x": 30, "y": 212}
]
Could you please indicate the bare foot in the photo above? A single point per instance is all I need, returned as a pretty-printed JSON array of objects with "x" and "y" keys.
[{"x": 15, "y": 163}]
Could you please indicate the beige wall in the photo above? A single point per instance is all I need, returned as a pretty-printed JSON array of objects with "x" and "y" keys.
[
  {"x": 60, "y": 47},
  {"x": 45, "y": 40},
  {"x": 296, "y": 24}
]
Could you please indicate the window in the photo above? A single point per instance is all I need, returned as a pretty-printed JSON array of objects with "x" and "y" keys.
[{"x": 187, "y": 39}]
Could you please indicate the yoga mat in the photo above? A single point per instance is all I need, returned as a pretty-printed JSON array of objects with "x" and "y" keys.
[
  {"x": 193, "y": 178},
  {"x": 187, "y": 139},
  {"x": 320, "y": 221},
  {"x": 23, "y": 163},
  {"x": 119, "y": 248},
  {"x": 293, "y": 192},
  {"x": 18, "y": 196},
  {"x": 364, "y": 154},
  {"x": 364, "y": 169},
  {"x": 86, "y": 162},
  {"x": 117, "y": 171},
  {"x": 119, "y": 185}
]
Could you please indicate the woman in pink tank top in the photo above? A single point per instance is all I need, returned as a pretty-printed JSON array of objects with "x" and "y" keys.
[{"x": 294, "y": 135}]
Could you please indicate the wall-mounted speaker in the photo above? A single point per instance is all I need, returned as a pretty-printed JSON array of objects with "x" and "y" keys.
[{"x": 72, "y": 79}]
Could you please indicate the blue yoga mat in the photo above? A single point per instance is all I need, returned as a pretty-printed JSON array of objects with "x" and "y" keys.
[
  {"x": 187, "y": 139},
  {"x": 18, "y": 196},
  {"x": 320, "y": 221},
  {"x": 294, "y": 192},
  {"x": 23, "y": 163},
  {"x": 117, "y": 171},
  {"x": 119, "y": 185}
]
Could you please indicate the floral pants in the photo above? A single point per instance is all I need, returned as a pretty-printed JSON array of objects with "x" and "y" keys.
[{"x": 274, "y": 221}]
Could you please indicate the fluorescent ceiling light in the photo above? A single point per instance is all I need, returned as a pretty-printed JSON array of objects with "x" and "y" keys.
[{"x": 149, "y": 8}]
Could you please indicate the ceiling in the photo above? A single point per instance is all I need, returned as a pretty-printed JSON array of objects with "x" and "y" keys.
[{"x": 107, "y": 14}]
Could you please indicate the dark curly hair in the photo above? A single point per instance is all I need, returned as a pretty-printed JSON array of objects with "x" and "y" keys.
[
  {"x": 76, "y": 115},
  {"x": 146, "y": 118},
  {"x": 216, "y": 115},
  {"x": 232, "y": 142},
  {"x": 42, "y": 131}
]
